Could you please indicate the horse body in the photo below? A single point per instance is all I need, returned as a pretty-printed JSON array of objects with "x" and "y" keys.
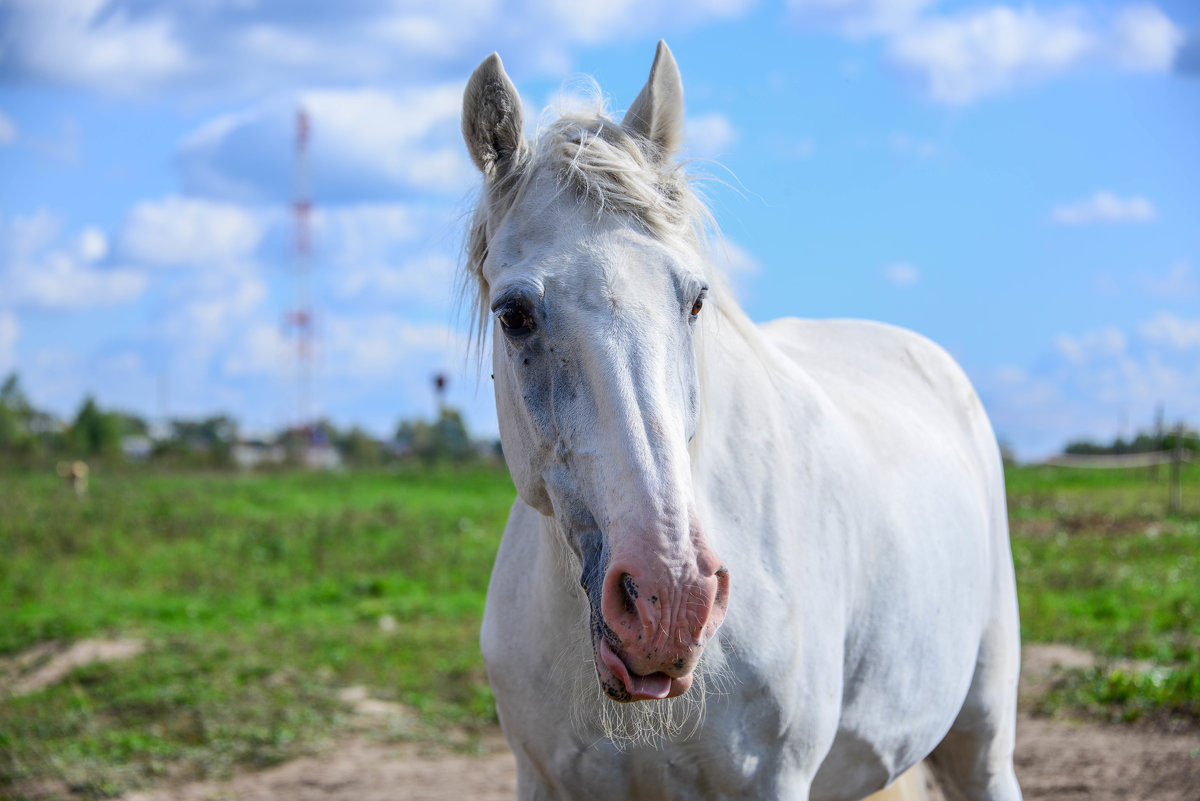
[{"x": 807, "y": 516}]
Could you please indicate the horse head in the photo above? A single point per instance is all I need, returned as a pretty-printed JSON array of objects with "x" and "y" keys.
[{"x": 590, "y": 275}]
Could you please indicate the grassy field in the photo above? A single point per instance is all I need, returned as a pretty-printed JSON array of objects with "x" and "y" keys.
[
  {"x": 259, "y": 597},
  {"x": 1101, "y": 565}
]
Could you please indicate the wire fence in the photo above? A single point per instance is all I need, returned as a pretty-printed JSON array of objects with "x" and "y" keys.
[{"x": 1174, "y": 457}]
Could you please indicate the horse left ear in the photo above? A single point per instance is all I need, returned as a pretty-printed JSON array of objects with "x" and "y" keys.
[
  {"x": 657, "y": 113},
  {"x": 491, "y": 120}
]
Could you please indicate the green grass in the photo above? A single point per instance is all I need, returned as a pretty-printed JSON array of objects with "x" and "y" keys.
[
  {"x": 261, "y": 596},
  {"x": 1102, "y": 566}
]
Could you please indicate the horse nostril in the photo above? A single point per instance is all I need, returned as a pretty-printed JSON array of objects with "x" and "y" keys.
[{"x": 629, "y": 594}]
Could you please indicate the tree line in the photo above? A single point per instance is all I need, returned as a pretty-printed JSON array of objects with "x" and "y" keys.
[
  {"x": 29, "y": 435},
  {"x": 1142, "y": 442}
]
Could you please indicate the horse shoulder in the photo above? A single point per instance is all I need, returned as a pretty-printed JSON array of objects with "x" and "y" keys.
[{"x": 880, "y": 372}]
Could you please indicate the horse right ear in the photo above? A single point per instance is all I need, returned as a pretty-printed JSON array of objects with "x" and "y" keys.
[{"x": 491, "y": 120}]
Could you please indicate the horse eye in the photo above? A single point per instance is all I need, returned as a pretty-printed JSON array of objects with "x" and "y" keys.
[
  {"x": 515, "y": 320},
  {"x": 697, "y": 306}
]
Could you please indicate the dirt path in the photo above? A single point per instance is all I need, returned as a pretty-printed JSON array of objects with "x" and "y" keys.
[
  {"x": 1055, "y": 760},
  {"x": 358, "y": 770}
]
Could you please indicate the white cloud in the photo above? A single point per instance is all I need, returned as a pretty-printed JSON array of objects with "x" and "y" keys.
[
  {"x": 10, "y": 331},
  {"x": 965, "y": 57},
  {"x": 1091, "y": 346},
  {"x": 1104, "y": 207},
  {"x": 802, "y": 148},
  {"x": 378, "y": 346},
  {"x": 734, "y": 260},
  {"x": 213, "y": 309},
  {"x": 709, "y": 135},
  {"x": 65, "y": 147},
  {"x": 1179, "y": 281},
  {"x": 859, "y": 17},
  {"x": 36, "y": 271},
  {"x": 8, "y": 130},
  {"x": 396, "y": 134},
  {"x": 1144, "y": 38},
  {"x": 1088, "y": 383},
  {"x": 363, "y": 143},
  {"x": 901, "y": 274},
  {"x": 178, "y": 231},
  {"x": 91, "y": 43},
  {"x": 1165, "y": 328},
  {"x": 92, "y": 244},
  {"x": 737, "y": 265},
  {"x": 427, "y": 279},
  {"x": 257, "y": 47},
  {"x": 263, "y": 350},
  {"x": 912, "y": 146},
  {"x": 962, "y": 57},
  {"x": 397, "y": 254}
]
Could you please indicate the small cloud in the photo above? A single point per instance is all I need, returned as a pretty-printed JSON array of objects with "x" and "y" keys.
[
  {"x": 92, "y": 44},
  {"x": 735, "y": 261},
  {"x": 1179, "y": 281},
  {"x": 363, "y": 143},
  {"x": 709, "y": 135},
  {"x": 858, "y": 18},
  {"x": 8, "y": 130},
  {"x": 1104, "y": 207},
  {"x": 1010, "y": 375},
  {"x": 964, "y": 57},
  {"x": 66, "y": 147},
  {"x": 1088, "y": 381},
  {"x": 1165, "y": 328},
  {"x": 802, "y": 148},
  {"x": 960, "y": 58},
  {"x": 93, "y": 244},
  {"x": 787, "y": 147},
  {"x": 1104, "y": 343},
  {"x": 38, "y": 269},
  {"x": 1187, "y": 60},
  {"x": 177, "y": 231},
  {"x": 1105, "y": 284},
  {"x": 911, "y": 146},
  {"x": 901, "y": 274},
  {"x": 10, "y": 330},
  {"x": 1144, "y": 39}
]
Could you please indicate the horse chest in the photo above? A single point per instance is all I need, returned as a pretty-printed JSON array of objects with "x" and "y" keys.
[{"x": 708, "y": 767}]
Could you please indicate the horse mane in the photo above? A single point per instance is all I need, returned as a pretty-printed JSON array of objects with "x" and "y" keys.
[{"x": 602, "y": 163}]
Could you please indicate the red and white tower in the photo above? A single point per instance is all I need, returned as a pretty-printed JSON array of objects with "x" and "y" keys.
[{"x": 298, "y": 320}]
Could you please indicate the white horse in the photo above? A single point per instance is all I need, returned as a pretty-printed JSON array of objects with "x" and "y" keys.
[{"x": 755, "y": 562}]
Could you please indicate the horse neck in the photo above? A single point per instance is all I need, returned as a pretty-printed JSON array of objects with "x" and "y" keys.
[{"x": 758, "y": 407}]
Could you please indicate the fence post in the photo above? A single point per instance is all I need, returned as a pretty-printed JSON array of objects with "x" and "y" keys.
[{"x": 1176, "y": 472}]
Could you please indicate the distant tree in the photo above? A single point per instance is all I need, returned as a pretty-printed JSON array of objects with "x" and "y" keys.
[
  {"x": 94, "y": 432},
  {"x": 359, "y": 448},
  {"x": 446, "y": 439},
  {"x": 1142, "y": 443},
  {"x": 15, "y": 416},
  {"x": 208, "y": 441},
  {"x": 453, "y": 440},
  {"x": 132, "y": 425}
]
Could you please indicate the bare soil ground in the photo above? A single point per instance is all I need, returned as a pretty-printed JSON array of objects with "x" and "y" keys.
[
  {"x": 49, "y": 663},
  {"x": 1061, "y": 760}
]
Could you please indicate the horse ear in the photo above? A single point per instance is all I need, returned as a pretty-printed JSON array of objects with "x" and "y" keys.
[
  {"x": 657, "y": 113},
  {"x": 491, "y": 121}
]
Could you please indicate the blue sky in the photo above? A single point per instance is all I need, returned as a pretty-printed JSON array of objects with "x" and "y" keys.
[{"x": 1017, "y": 181}]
